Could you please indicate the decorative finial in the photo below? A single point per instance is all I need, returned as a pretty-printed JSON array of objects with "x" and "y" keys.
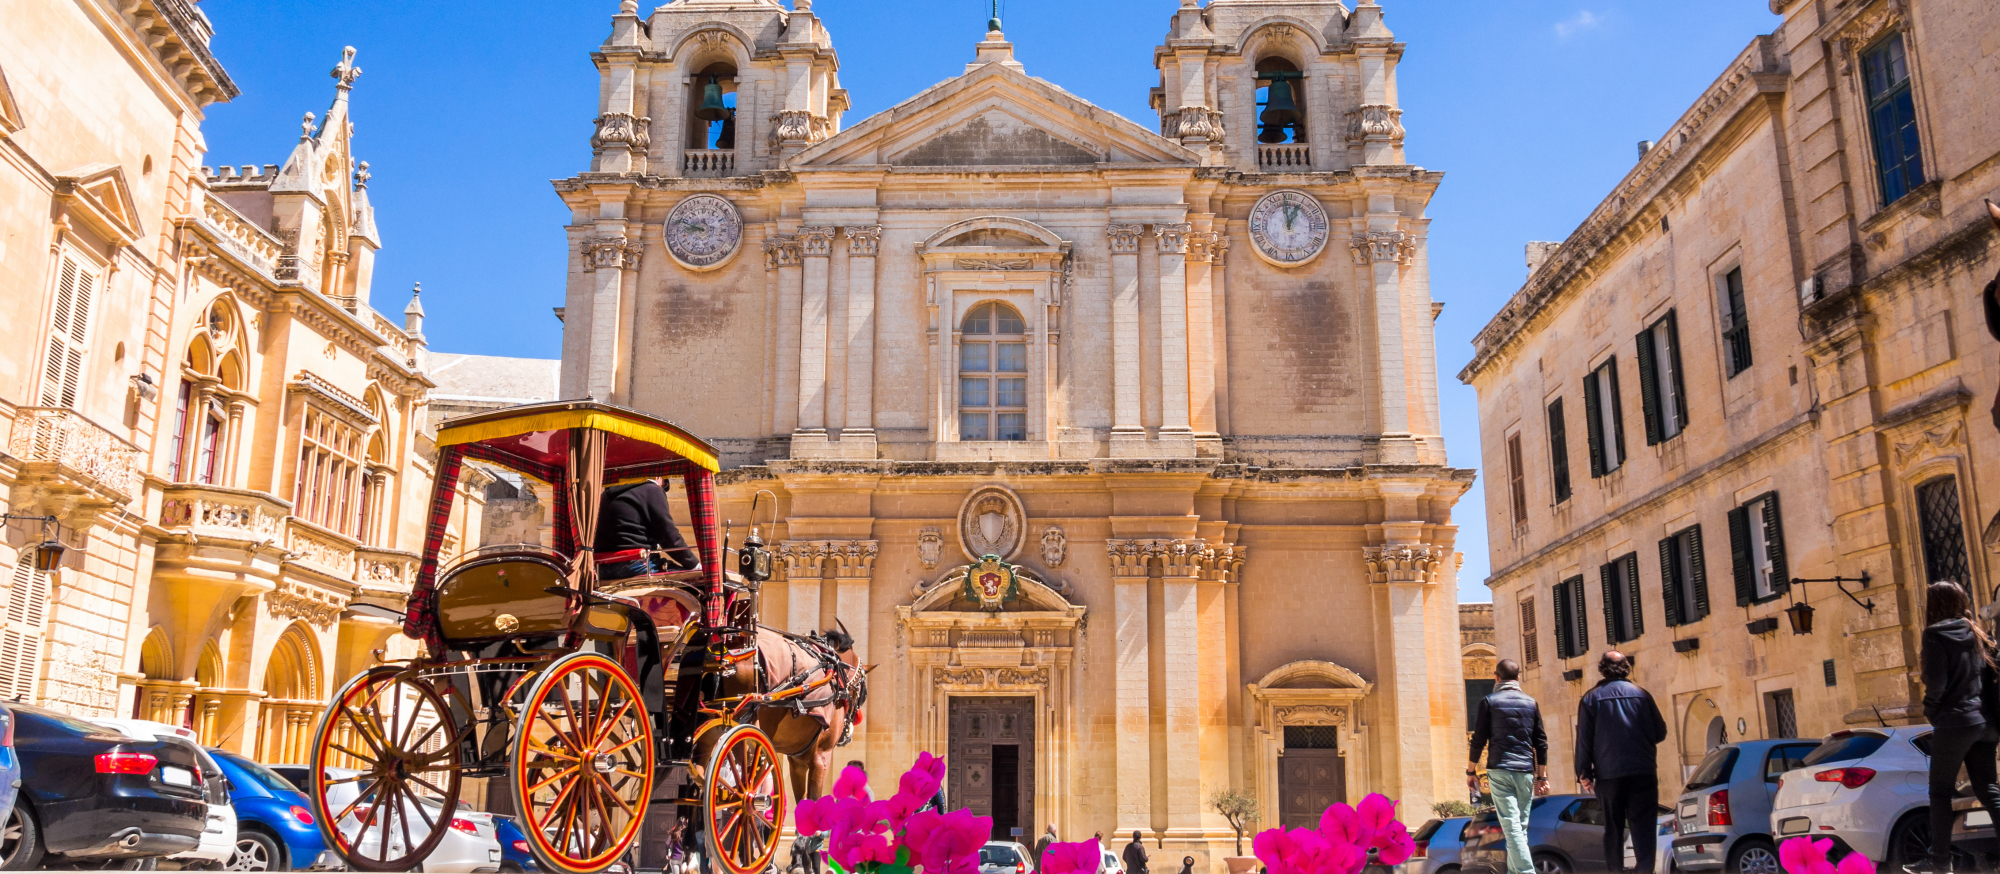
[
  {"x": 306, "y": 128},
  {"x": 345, "y": 72},
  {"x": 628, "y": 7},
  {"x": 361, "y": 175},
  {"x": 993, "y": 24}
]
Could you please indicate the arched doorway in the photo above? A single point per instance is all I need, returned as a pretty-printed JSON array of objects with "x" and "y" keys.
[
  {"x": 1310, "y": 750},
  {"x": 291, "y": 698}
]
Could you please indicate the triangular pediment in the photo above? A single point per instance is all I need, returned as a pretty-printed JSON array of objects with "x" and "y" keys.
[
  {"x": 995, "y": 116},
  {"x": 103, "y": 200},
  {"x": 10, "y": 113}
]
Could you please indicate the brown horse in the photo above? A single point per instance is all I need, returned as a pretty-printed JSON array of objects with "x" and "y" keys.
[{"x": 807, "y": 729}]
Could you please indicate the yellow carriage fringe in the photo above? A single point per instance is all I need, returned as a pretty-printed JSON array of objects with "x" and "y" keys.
[{"x": 561, "y": 420}]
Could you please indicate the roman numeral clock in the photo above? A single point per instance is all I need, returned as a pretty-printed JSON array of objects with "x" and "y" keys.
[{"x": 1288, "y": 228}]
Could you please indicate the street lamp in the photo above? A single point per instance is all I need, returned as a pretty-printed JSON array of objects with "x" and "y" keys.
[
  {"x": 48, "y": 553},
  {"x": 1801, "y": 615}
]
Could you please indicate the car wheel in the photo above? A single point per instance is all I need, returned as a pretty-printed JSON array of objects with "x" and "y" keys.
[
  {"x": 20, "y": 841},
  {"x": 1910, "y": 840},
  {"x": 1754, "y": 856},
  {"x": 1546, "y": 863},
  {"x": 254, "y": 852}
]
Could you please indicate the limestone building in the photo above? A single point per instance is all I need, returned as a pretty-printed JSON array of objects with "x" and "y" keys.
[
  {"x": 1759, "y": 364},
  {"x": 1179, "y": 376}
]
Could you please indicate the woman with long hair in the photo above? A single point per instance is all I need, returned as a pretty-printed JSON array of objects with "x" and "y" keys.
[{"x": 1959, "y": 672}]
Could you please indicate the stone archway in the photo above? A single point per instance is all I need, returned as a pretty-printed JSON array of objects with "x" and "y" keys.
[{"x": 1309, "y": 705}]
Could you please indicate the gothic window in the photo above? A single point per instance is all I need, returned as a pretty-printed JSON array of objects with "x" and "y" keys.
[
  {"x": 69, "y": 331},
  {"x": 993, "y": 374},
  {"x": 201, "y": 423},
  {"x": 1281, "y": 102},
  {"x": 712, "y": 108},
  {"x": 329, "y": 473},
  {"x": 1757, "y": 550},
  {"x": 181, "y": 402},
  {"x": 1624, "y": 615},
  {"x": 1735, "y": 321},
  {"x": 1942, "y": 527},
  {"x": 1892, "y": 118},
  {"x": 1605, "y": 420},
  {"x": 1660, "y": 391},
  {"x": 1558, "y": 451},
  {"x": 1683, "y": 577}
]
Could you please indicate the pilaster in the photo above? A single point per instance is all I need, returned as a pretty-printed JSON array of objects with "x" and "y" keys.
[
  {"x": 853, "y": 571},
  {"x": 816, "y": 247},
  {"x": 858, "y": 437},
  {"x": 1402, "y": 577},
  {"x": 607, "y": 255},
  {"x": 804, "y": 562},
  {"x": 1181, "y": 565},
  {"x": 1381, "y": 251},
  {"x": 1132, "y": 661},
  {"x": 1128, "y": 436},
  {"x": 1176, "y": 434},
  {"x": 782, "y": 258}
]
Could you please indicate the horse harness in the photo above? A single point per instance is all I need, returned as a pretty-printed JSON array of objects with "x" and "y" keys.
[{"x": 847, "y": 687}]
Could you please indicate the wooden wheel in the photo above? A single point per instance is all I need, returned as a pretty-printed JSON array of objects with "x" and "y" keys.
[
  {"x": 582, "y": 769},
  {"x": 385, "y": 767},
  {"x": 743, "y": 801}
]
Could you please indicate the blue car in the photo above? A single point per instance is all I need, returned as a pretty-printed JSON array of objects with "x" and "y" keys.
[
  {"x": 274, "y": 822},
  {"x": 514, "y": 853},
  {"x": 10, "y": 764}
]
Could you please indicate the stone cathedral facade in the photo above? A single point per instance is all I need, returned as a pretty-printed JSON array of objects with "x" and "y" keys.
[{"x": 1178, "y": 381}]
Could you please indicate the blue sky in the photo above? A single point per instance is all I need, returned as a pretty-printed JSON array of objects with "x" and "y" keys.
[{"x": 467, "y": 110}]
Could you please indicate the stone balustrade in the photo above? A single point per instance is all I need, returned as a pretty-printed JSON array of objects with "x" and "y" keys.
[
  {"x": 77, "y": 450},
  {"x": 239, "y": 235},
  {"x": 709, "y": 162},
  {"x": 382, "y": 571},
  {"x": 214, "y": 511},
  {"x": 323, "y": 549},
  {"x": 1293, "y": 155}
]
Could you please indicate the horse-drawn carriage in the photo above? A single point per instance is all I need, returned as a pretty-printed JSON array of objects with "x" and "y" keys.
[{"x": 590, "y": 702}]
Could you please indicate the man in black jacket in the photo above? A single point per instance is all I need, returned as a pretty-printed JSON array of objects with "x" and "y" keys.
[
  {"x": 1509, "y": 727},
  {"x": 1618, "y": 728},
  {"x": 632, "y": 521}
]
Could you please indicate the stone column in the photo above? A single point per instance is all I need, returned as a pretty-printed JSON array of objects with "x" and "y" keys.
[
  {"x": 802, "y": 560},
  {"x": 1381, "y": 251},
  {"x": 854, "y": 570},
  {"x": 816, "y": 246},
  {"x": 606, "y": 255},
  {"x": 1128, "y": 435},
  {"x": 783, "y": 255},
  {"x": 1132, "y": 667},
  {"x": 1180, "y": 574},
  {"x": 232, "y": 443},
  {"x": 1174, "y": 420},
  {"x": 862, "y": 245},
  {"x": 1218, "y": 275},
  {"x": 1402, "y": 576}
]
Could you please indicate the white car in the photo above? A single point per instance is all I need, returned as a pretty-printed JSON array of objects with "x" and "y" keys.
[
  {"x": 1111, "y": 864},
  {"x": 1866, "y": 788},
  {"x": 1005, "y": 857},
  {"x": 471, "y": 845},
  {"x": 218, "y": 839}
]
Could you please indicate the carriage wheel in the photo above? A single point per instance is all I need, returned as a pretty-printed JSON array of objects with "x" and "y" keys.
[
  {"x": 583, "y": 764},
  {"x": 743, "y": 801},
  {"x": 394, "y": 801}
]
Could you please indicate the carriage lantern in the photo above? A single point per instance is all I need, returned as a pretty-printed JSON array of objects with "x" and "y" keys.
[{"x": 753, "y": 561}]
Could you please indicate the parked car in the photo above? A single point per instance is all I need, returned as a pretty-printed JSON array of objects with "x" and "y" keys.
[
  {"x": 1866, "y": 789},
  {"x": 1565, "y": 834},
  {"x": 93, "y": 794},
  {"x": 218, "y": 840},
  {"x": 275, "y": 827},
  {"x": 515, "y": 857},
  {"x": 1111, "y": 865},
  {"x": 470, "y": 846},
  {"x": 1005, "y": 857},
  {"x": 1723, "y": 818},
  {"x": 1437, "y": 844}
]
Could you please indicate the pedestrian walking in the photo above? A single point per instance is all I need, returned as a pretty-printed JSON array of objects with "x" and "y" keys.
[
  {"x": 1135, "y": 857},
  {"x": 1618, "y": 732},
  {"x": 1042, "y": 844},
  {"x": 1508, "y": 727},
  {"x": 1961, "y": 703}
]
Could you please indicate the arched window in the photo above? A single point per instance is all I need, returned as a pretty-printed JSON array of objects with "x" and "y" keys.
[
  {"x": 712, "y": 116},
  {"x": 329, "y": 472},
  {"x": 993, "y": 374},
  {"x": 1281, "y": 102}
]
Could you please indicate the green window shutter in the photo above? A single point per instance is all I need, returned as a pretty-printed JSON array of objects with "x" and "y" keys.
[
  {"x": 1558, "y": 451},
  {"x": 1635, "y": 610},
  {"x": 1774, "y": 537},
  {"x": 1739, "y": 556},
  {"x": 1697, "y": 574},
  {"x": 1564, "y": 648},
  {"x": 1670, "y": 586},
  {"x": 1612, "y": 603},
  {"x": 1582, "y": 643},
  {"x": 1649, "y": 391},
  {"x": 1593, "y": 424},
  {"x": 1615, "y": 408},
  {"x": 1674, "y": 359}
]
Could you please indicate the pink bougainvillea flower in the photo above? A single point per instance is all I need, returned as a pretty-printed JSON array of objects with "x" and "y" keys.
[
  {"x": 1855, "y": 863},
  {"x": 853, "y": 783},
  {"x": 1274, "y": 847},
  {"x": 1803, "y": 855},
  {"x": 1340, "y": 824},
  {"x": 1393, "y": 845},
  {"x": 1081, "y": 857},
  {"x": 808, "y": 816},
  {"x": 1375, "y": 813},
  {"x": 954, "y": 846}
]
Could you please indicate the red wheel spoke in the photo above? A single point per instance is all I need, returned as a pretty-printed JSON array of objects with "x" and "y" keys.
[{"x": 605, "y": 728}]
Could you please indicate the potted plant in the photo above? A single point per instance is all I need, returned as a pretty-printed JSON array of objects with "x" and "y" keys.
[{"x": 1240, "y": 809}]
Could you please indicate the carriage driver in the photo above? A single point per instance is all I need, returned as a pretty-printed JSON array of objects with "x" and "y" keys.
[{"x": 632, "y": 521}]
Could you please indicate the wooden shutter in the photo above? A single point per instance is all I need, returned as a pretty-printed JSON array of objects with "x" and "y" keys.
[
  {"x": 1593, "y": 424},
  {"x": 1565, "y": 645},
  {"x": 1649, "y": 388},
  {"x": 1615, "y": 408},
  {"x": 1635, "y": 614},
  {"x": 1739, "y": 556},
  {"x": 1581, "y": 643},
  {"x": 1531, "y": 650},
  {"x": 1697, "y": 574},
  {"x": 1517, "y": 479},
  {"x": 1558, "y": 451},
  {"x": 1674, "y": 361},
  {"x": 1670, "y": 584},
  {"x": 21, "y": 635},
  {"x": 1774, "y": 540},
  {"x": 69, "y": 332},
  {"x": 1613, "y": 604}
]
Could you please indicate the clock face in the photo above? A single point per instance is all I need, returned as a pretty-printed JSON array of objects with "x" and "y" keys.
[
  {"x": 1288, "y": 228},
  {"x": 703, "y": 231}
]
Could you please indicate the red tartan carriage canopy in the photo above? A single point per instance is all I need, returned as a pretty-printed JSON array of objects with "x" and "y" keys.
[{"x": 578, "y": 447}]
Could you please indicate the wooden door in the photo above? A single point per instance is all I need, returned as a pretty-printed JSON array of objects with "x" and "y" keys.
[
  {"x": 1309, "y": 782},
  {"x": 988, "y": 735}
]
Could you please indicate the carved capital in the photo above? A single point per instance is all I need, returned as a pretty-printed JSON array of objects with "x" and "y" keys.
[
  {"x": 622, "y": 129},
  {"x": 791, "y": 125},
  {"x": 1380, "y": 246},
  {"x": 611, "y": 253},
  {"x": 864, "y": 241},
  {"x": 781, "y": 251},
  {"x": 1173, "y": 238},
  {"x": 293, "y": 600},
  {"x": 1406, "y": 563},
  {"x": 816, "y": 242},
  {"x": 856, "y": 558},
  {"x": 1374, "y": 121},
  {"x": 1196, "y": 122},
  {"x": 1124, "y": 238}
]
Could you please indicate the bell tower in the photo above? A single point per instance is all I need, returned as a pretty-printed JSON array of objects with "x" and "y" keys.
[{"x": 1281, "y": 86}]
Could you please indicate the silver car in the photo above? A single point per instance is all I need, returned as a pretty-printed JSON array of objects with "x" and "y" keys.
[
  {"x": 1723, "y": 819},
  {"x": 1005, "y": 857}
]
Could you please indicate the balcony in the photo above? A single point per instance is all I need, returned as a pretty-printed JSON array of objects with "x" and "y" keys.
[
  {"x": 709, "y": 163},
  {"x": 211, "y": 512},
  {"x": 1285, "y": 156},
  {"x": 66, "y": 452}
]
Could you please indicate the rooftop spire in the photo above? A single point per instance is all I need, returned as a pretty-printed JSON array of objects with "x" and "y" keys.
[
  {"x": 993, "y": 24},
  {"x": 345, "y": 72}
]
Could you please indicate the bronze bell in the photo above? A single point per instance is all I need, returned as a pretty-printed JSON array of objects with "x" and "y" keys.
[
  {"x": 1280, "y": 110},
  {"x": 711, "y": 102},
  {"x": 727, "y": 138}
]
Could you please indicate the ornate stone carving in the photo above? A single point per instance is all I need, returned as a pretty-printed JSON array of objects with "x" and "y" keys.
[
  {"x": 1197, "y": 122},
  {"x": 864, "y": 241},
  {"x": 1312, "y": 714},
  {"x": 781, "y": 251},
  {"x": 1173, "y": 237},
  {"x": 71, "y": 448},
  {"x": 381, "y": 574},
  {"x": 1055, "y": 546},
  {"x": 1124, "y": 238},
  {"x": 976, "y": 677},
  {"x": 1373, "y": 246},
  {"x": 816, "y": 241},
  {"x": 1406, "y": 563},
  {"x": 930, "y": 547},
  {"x": 713, "y": 40},
  {"x": 299, "y": 601},
  {"x": 611, "y": 253},
  {"x": 1374, "y": 120},
  {"x": 1018, "y": 677},
  {"x": 1929, "y": 442},
  {"x": 853, "y": 558},
  {"x": 791, "y": 125},
  {"x": 211, "y": 510},
  {"x": 993, "y": 263},
  {"x": 622, "y": 129},
  {"x": 1865, "y": 28},
  {"x": 991, "y": 521}
]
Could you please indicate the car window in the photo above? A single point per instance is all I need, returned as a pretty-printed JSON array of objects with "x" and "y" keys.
[
  {"x": 991, "y": 855},
  {"x": 47, "y": 722},
  {"x": 1586, "y": 811},
  {"x": 1922, "y": 743},
  {"x": 1785, "y": 757},
  {"x": 261, "y": 775},
  {"x": 1715, "y": 769},
  {"x": 1846, "y": 747}
]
